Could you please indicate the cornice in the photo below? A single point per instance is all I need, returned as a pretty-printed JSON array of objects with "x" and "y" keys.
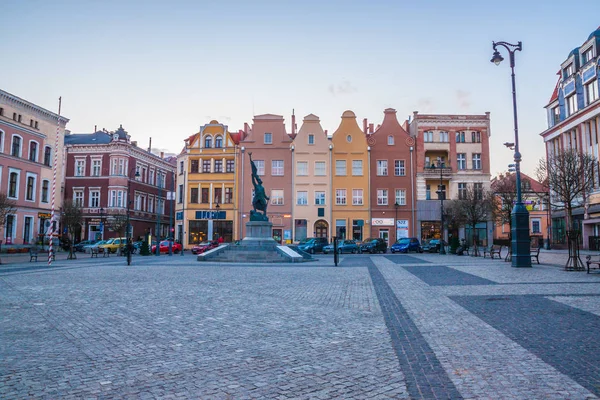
[
  {"x": 23, "y": 129},
  {"x": 24, "y": 104}
]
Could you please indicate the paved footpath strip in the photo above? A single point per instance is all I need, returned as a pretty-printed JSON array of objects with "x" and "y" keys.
[{"x": 375, "y": 327}]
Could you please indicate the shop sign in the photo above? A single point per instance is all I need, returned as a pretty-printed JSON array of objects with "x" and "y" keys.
[
  {"x": 382, "y": 221},
  {"x": 42, "y": 215},
  {"x": 179, "y": 215},
  {"x": 211, "y": 215}
]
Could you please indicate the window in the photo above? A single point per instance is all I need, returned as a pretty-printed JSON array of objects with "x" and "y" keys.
[
  {"x": 357, "y": 197},
  {"x": 138, "y": 175},
  {"x": 16, "y": 146},
  {"x": 230, "y": 165},
  {"x": 137, "y": 202},
  {"x": 228, "y": 195},
  {"x": 428, "y": 136},
  {"x": 340, "y": 197},
  {"x": 555, "y": 115},
  {"x": 444, "y": 136},
  {"x": 357, "y": 168},
  {"x": 204, "y": 193},
  {"x": 218, "y": 195},
  {"x": 218, "y": 165},
  {"x": 45, "y": 190},
  {"x": 571, "y": 104},
  {"x": 79, "y": 167},
  {"x": 401, "y": 197},
  {"x": 382, "y": 197},
  {"x": 340, "y": 167},
  {"x": 94, "y": 198},
  {"x": 1, "y": 140},
  {"x": 476, "y": 161},
  {"x": 30, "y": 190},
  {"x": 47, "y": 155},
  {"x": 180, "y": 196},
  {"x": 96, "y": 165},
  {"x": 36, "y": 125},
  {"x": 260, "y": 167},
  {"x": 218, "y": 142},
  {"x": 302, "y": 198},
  {"x": 13, "y": 185},
  {"x": 14, "y": 116},
  {"x": 320, "y": 198},
  {"x": 461, "y": 160},
  {"x": 277, "y": 197},
  {"x": 460, "y": 137},
  {"x": 206, "y": 166},
  {"x": 10, "y": 226},
  {"x": 569, "y": 70},
  {"x": 277, "y": 167},
  {"x": 151, "y": 178},
  {"x": 428, "y": 192},
  {"x": 151, "y": 204},
  {"x": 78, "y": 198},
  {"x": 302, "y": 168},
  {"x": 208, "y": 142},
  {"x": 587, "y": 55},
  {"x": 349, "y": 138},
  {"x": 194, "y": 167},
  {"x": 194, "y": 195},
  {"x": 268, "y": 138},
  {"x": 311, "y": 138},
  {"x": 382, "y": 167},
  {"x": 320, "y": 168},
  {"x": 181, "y": 167},
  {"x": 462, "y": 191},
  {"x": 535, "y": 226},
  {"x": 390, "y": 140},
  {"x": 33, "y": 146},
  {"x": 591, "y": 92},
  {"x": 476, "y": 137},
  {"x": 399, "y": 169},
  {"x": 478, "y": 190}
]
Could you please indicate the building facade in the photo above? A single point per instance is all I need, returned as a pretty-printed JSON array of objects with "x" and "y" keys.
[
  {"x": 102, "y": 171},
  {"x": 311, "y": 157},
  {"x": 350, "y": 170},
  {"x": 573, "y": 116},
  {"x": 29, "y": 150},
  {"x": 392, "y": 180},
  {"x": 207, "y": 198},
  {"x": 452, "y": 152}
]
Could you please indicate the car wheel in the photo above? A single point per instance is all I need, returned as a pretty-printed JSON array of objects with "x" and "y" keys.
[
  {"x": 353, "y": 251},
  {"x": 311, "y": 251},
  {"x": 340, "y": 251}
]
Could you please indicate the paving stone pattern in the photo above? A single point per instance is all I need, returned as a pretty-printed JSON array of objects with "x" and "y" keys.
[{"x": 435, "y": 275}]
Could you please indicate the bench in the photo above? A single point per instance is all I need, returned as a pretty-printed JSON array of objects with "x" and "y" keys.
[
  {"x": 590, "y": 262},
  {"x": 105, "y": 252},
  {"x": 535, "y": 253},
  {"x": 94, "y": 251},
  {"x": 33, "y": 253},
  {"x": 494, "y": 249}
]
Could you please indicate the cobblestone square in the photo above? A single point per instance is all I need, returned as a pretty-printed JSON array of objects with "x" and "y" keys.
[{"x": 383, "y": 326}]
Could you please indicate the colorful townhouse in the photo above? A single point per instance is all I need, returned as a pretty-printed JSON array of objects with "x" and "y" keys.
[
  {"x": 29, "y": 150},
  {"x": 351, "y": 183},
  {"x": 207, "y": 181},
  {"x": 573, "y": 116},
  {"x": 269, "y": 145},
  {"x": 392, "y": 179},
  {"x": 311, "y": 158}
]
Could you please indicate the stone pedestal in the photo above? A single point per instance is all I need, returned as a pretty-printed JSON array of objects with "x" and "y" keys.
[{"x": 259, "y": 234}]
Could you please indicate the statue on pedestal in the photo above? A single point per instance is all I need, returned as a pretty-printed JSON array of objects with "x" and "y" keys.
[{"x": 260, "y": 201}]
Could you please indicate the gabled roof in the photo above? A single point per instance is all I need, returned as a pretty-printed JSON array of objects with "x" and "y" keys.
[{"x": 554, "y": 96}]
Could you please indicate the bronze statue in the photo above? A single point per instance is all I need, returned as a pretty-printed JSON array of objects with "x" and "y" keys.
[{"x": 260, "y": 201}]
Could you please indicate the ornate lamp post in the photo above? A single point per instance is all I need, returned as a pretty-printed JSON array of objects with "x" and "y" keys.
[
  {"x": 128, "y": 234},
  {"x": 217, "y": 207},
  {"x": 520, "y": 216},
  {"x": 101, "y": 223},
  {"x": 396, "y": 205},
  {"x": 441, "y": 192}
]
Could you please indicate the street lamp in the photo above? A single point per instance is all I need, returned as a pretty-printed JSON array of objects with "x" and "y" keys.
[
  {"x": 396, "y": 205},
  {"x": 128, "y": 235},
  {"x": 521, "y": 256},
  {"x": 441, "y": 195},
  {"x": 217, "y": 207},
  {"x": 101, "y": 223}
]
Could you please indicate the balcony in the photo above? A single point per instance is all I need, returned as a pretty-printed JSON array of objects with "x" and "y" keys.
[{"x": 436, "y": 171}]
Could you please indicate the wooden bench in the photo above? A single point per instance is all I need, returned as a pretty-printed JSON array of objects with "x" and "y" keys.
[
  {"x": 535, "y": 253},
  {"x": 33, "y": 253},
  {"x": 494, "y": 249},
  {"x": 94, "y": 251},
  {"x": 590, "y": 262}
]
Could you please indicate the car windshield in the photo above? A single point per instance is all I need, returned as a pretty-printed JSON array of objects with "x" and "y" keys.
[
  {"x": 109, "y": 241},
  {"x": 307, "y": 241},
  {"x": 404, "y": 241},
  {"x": 205, "y": 243},
  {"x": 164, "y": 243}
]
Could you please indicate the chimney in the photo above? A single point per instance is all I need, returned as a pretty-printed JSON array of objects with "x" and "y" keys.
[
  {"x": 325, "y": 132},
  {"x": 134, "y": 143},
  {"x": 293, "y": 122},
  {"x": 246, "y": 128},
  {"x": 95, "y": 128},
  {"x": 365, "y": 126},
  {"x": 150, "y": 146},
  {"x": 370, "y": 128},
  {"x": 162, "y": 154}
]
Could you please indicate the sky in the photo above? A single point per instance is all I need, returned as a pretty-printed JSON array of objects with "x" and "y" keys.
[{"x": 163, "y": 69}]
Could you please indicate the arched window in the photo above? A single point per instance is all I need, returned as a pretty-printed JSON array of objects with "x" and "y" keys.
[
  {"x": 208, "y": 142},
  {"x": 390, "y": 140},
  {"x": 33, "y": 146},
  {"x": 16, "y": 146},
  {"x": 218, "y": 142},
  {"x": 47, "y": 155}
]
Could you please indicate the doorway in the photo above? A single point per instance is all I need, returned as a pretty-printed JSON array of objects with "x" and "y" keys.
[
  {"x": 277, "y": 235},
  {"x": 385, "y": 235},
  {"x": 321, "y": 229}
]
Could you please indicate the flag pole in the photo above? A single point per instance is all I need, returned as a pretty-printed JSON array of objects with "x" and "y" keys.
[{"x": 55, "y": 164}]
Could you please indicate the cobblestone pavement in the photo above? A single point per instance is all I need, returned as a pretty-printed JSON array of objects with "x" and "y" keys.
[{"x": 382, "y": 326}]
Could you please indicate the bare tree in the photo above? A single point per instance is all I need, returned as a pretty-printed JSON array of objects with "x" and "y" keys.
[
  {"x": 475, "y": 206},
  {"x": 569, "y": 177},
  {"x": 7, "y": 207},
  {"x": 118, "y": 223},
  {"x": 72, "y": 218},
  {"x": 505, "y": 188}
]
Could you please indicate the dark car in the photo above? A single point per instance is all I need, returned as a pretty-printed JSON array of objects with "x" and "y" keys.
[
  {"x": 79, "y": 246},
  {"x": 312, "y": 245},
  {"x": 431, "y": 246},
  {"x": 344, "y": 246},
  {"x": 373, "y": 245},
  {"x": 406, "y": 245},
  {"x": 205, "y": 246}
]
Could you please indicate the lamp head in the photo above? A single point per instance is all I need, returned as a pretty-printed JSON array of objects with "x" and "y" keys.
[
  {"x": 497, "y": 58},
  {"x": 137, "y": 174}
]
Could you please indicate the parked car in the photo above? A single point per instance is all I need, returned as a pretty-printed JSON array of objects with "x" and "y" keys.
[
  {"x": 88, "y": 247},
  {"x": 431, "y": 245},
  {"x": 204, "y": 246},
  {"x": 406, "y": 245},
  {"x": 113, "y": 245},
  {"x": 373, "y": 245},
  {"x": 164, "y": 247},
  {"x": 344, "y": 246},
  {"x": 80, "y": 246},
  {"x": 312, "y": 245}
]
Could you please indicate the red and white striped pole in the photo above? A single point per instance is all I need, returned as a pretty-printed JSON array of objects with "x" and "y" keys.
[{"x": 50, "y": 250}]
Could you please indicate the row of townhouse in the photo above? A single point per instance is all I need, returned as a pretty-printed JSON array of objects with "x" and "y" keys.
[
  {"x": 573, "y": 116},
  {"x": 356, "y": 183}
]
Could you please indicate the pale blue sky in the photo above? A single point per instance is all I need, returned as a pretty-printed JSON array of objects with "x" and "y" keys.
[{"x": 162, "y": 69}]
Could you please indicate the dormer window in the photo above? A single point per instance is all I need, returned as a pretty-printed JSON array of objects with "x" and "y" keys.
[
  {"x": 311, "y": 138},
  {"x": 268, "y": 138},
  {"x": 569, "y": 70},
  {"x": 390, "y": 140},
  {"x": 208, "y": 142},
  {"x": 587, "y": 55},
  {"x": 219, "y": 142}
]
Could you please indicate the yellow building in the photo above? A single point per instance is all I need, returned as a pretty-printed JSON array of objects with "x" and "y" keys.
[
  {"x": 350, "y": 175},
  {"x": 206, "y": 186}
]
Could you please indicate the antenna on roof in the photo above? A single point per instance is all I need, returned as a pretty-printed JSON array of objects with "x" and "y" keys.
[{"x": 150, "y": 146}]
